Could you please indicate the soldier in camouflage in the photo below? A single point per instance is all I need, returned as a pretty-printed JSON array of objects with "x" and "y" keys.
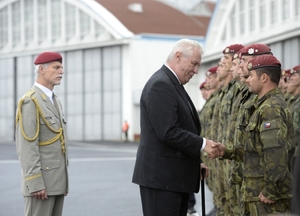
[
  {"x": 206, "y": 113},
  {"x": 293, "y": 88},
  {"x": 218, "y": 180},
  {"x": 231, "y": 88},
  {"x": 267, "y": 181},
  {"x": 241, "y": 111}
]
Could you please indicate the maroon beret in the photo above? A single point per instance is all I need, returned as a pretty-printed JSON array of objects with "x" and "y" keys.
[
  {"x": 255, "y": 49},
  {"x": 203, "y": 85},
  {"x": 46, "y": 57},
  {"x": 211, "y": 70},
  {"x": 295, "y": 69},
  {"x": 262, "y": 61},
  {"x": 234, "y": 48}
]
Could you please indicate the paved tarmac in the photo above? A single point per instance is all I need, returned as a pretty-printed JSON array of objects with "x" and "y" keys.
[{"x": 100, "y": 181}]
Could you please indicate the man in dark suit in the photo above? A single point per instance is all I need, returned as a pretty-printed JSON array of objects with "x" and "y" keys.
[{"x": 168, "y": 159}]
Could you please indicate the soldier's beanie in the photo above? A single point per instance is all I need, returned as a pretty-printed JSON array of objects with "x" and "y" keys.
[
  {"x": 295, "y": 69},
  {"x": 47, "y": 57},
  {"x": 232, "y": 49},
  {"x": 203, "y": 85},
  {"x": 263, "y": 61},
  {"x": 211, "y": 71},
  {"x": 255, "y": 49}
]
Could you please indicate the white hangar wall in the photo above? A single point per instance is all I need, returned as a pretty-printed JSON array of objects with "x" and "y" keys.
[
  {"x": 273, "y": 22},
  {"x": 105, "y": 67}
]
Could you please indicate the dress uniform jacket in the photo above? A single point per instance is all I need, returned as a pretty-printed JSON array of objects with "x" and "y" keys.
[
  {"x": 168, "y": 156},
  {"x": 40, "y": 142}
]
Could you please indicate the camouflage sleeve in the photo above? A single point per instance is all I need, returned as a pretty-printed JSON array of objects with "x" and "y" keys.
[
  {"x": 296, "y": 123},
  {"x": 273, "y": 135}
]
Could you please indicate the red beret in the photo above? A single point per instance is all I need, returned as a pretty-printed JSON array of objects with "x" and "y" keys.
[
  {"x": 46, "y": 57},
  {"x": 255, "y": 49},
  {"x": 203, "y": 85},
  {"x": 295, "y": 69},
  {"x": 211, "y": 70},
  {"x": 263, "y": 61},
  {"x": 234, "y": 48}
]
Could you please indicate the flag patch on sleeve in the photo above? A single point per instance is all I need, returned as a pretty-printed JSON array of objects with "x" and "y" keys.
[{"x": 267, "y": 125}]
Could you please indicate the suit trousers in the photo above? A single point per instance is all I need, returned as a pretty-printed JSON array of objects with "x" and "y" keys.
[
  {"x": 52, "y": 206},
  {"x": 163, "y": 203}
]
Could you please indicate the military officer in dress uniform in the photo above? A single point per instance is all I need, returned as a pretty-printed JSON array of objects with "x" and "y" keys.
[{"x": 40, "y": 141}]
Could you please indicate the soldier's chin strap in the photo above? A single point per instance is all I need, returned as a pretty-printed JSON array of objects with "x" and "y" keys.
[{"x": 39, "y": 113}]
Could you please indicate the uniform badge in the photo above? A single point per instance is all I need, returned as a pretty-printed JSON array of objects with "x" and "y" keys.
[
  {"x": 267, "y": 125},
  {"x": 250, "y": 51},
  {"x": 235, "y": 56},
  {"x": 227, "y": 50},
  {"x": 249, "y": 66}
]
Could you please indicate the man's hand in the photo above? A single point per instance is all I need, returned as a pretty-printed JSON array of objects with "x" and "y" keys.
[
  {"x": 42, "y": 194},
  {"x": 202, "y": 165},
  {"x": 214, "y": 149},
  {"x": 264, "y": 199}
]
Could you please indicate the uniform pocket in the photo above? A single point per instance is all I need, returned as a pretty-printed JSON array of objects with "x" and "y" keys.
[
  {"x": 269, "y": 134},
  {"x": 50, "y": 165}
]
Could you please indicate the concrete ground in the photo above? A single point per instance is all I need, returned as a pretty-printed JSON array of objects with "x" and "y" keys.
[{"x": 100, "y": 181}]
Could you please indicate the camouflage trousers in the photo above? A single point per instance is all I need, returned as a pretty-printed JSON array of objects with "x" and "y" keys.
[
  {"x": 258, "y": 208},
  {"x": 234, "y": 204},
  {"x": 220, "y": 188}
]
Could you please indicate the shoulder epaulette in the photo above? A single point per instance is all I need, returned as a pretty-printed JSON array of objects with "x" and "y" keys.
[{"x": 29, "y": 93}]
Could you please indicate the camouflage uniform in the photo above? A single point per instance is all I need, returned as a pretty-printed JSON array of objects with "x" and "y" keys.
[
  {"x": 206, "y": 119},
  {"x": 265, "y": 155},
  {"x": 217, "y": 194},
  {"x": 295, "y": 110},
  {"x": 241, "y": 112},
  {"x": 230, "y": 113},
  {"x": 230, "y": 92}
]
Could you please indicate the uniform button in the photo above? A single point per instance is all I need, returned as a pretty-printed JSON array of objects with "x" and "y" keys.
[{"x": 47, "y": 168}]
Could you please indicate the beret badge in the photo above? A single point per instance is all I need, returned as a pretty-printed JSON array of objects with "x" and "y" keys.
[
  {"x": 227, "y": 50},
  {"x": 250, "y": 51},
  {"x": 249, "y": 66}
]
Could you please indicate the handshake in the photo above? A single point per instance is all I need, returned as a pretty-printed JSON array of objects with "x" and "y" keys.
[{"x": 214, "y": 149}]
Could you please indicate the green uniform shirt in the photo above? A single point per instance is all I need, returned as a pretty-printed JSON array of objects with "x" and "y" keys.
[{"x": 265, "y": 152}]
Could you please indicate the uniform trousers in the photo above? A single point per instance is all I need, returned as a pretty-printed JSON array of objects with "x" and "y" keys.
[
  {"x": 163, "y": 203},
  {"x": 52, "y": 206}
]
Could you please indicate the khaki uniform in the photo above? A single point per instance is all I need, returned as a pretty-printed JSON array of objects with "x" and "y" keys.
[{"x": 41, "y": 148}]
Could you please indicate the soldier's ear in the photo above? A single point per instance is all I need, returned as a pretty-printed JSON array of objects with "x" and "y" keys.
[{"x": 264, "y": 77}]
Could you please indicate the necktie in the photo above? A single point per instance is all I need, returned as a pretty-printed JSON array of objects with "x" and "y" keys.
[{"x": 55, "y": 102}]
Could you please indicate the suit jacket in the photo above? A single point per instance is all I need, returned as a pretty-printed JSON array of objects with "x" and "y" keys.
[
  {"x": 168, "y": 156},
  {"x": 43, "y": 167}
]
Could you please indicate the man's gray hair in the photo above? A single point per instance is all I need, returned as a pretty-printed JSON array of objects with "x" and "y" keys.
[
  {"x": 37, "y": 68},
  {"x": 186, "y": 47}
]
